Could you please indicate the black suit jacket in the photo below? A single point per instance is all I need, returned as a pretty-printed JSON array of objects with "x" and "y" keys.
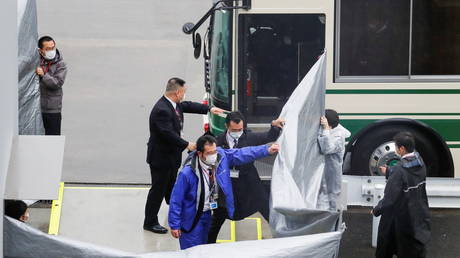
[
  {"x": 248, "y": 192},
  {"x": 165, "y": 143}
]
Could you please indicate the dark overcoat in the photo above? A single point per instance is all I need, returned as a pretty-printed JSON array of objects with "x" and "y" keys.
[
  {"x": 249, "y": 193},
  {"x": 404, "y": 227},
  {"x": 165, "y": 145}
]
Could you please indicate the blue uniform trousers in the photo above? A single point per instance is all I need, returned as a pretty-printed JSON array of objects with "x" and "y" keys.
[{"x": 199, "y": 235}]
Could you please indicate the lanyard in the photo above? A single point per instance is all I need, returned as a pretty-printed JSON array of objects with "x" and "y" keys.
[
  {"x": 45, "y": 70},
  {"x": 209, "y": 179}
]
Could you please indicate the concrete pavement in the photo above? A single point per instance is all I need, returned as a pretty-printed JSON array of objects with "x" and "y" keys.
[{"x": 120, "y": 54}]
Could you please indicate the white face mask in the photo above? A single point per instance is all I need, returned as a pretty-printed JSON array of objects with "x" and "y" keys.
[
  {"x": 50, "y": 55},
  {"x": 211, "y": 159},
  {"x": 236, "y": 135}
]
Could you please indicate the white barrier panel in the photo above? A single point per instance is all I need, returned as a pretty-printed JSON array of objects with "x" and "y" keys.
[{"x": 35, "y": 167}]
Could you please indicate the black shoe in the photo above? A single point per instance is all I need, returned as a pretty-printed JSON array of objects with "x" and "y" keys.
[{"x": 156, "y": 229}]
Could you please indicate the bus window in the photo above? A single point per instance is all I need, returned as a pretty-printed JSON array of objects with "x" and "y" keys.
[
  {"x": 374, "y": 37},
  {"x": 435, "y": 38},
  {"x": 221, "y": 59},
  {"x": 275, "y": 52}
]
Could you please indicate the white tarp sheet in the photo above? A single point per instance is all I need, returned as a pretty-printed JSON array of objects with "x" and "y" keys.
[
  {"x": 298, "y": 169},
  {"x": 21, "y": 240},
  {"x": 30, "y": 121}
]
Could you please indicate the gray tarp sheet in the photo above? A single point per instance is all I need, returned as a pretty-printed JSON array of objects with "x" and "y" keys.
[
  {"x": 298, "y": 169},
  {"x": 30, "y": 120},
  {"x": 21, "y": 240}
]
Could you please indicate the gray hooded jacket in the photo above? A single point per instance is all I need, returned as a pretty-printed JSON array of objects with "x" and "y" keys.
[
  {"x": 51, "y": 83},
  {"x": 332, "y": 145}
]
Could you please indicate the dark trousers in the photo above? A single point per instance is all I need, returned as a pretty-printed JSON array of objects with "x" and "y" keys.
[
  {"x": 163, "y": 180},
  {"x": 218, "y": 218},
  {"x": 52, "y": 123}
]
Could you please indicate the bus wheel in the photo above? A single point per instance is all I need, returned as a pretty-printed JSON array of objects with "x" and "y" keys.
[{"x": 377, "y": 148}]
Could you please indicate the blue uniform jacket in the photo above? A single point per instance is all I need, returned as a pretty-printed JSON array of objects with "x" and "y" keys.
[{"x": 186, "y": 193}]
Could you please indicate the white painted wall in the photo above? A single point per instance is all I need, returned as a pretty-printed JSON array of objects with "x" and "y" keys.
[{"x": 8, "y": 93}]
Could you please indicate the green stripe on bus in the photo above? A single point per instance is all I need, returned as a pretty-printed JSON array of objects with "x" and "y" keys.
[
  {"x": 448, "y": 128},
  {"x": 395, "y": 91},
  {"x": 454, "y": 146}
]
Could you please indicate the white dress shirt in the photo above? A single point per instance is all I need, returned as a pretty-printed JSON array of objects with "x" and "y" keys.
[
  {"x": 172, "y": 102},
  {"x": 231, "y": 140}
]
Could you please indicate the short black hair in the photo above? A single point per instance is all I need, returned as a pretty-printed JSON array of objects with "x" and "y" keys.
[
  {"x": 44, "y": 39},
  {"x": 406, "y": 140},
  {"x": 332, "y": 118},
  {"x": 235, "y": 117},
  {"x": 15, "y": 208},
  {"x": 174, "y": 84},
  {"x": 204, "y": 140}
]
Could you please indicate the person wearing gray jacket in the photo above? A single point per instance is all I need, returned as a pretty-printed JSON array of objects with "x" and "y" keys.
[{"x": 52, "y": 72}]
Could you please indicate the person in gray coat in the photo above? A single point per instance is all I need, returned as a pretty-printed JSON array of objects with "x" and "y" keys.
[
  {"x": 52, "y": 73},
  {"x": 331, "y": 140}
]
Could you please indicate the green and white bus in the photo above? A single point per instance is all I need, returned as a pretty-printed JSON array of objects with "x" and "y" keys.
[{"x": 391, "y": 65}]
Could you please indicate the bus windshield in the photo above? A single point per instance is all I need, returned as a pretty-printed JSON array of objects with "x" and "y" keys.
[{"x": 221, "y": 53}]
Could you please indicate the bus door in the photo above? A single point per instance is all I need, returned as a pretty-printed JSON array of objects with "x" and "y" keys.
[{"x": 275, "y": 52}]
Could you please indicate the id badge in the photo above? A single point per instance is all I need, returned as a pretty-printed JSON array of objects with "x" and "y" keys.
[
  {"x": 213, "y": 205},
  {"x": 234, "y": 173}
]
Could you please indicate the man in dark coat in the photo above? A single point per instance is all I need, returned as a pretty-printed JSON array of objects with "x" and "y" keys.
[
  {"x": 250, "y": 196},
  {"x": 52, "y": 73},
  {"x": 165, "y": 146},
  {"x": 404, "y": 227}
]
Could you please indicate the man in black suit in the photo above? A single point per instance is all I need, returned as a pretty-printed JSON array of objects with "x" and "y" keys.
[
  {"x": 250, "y": 196},
  {"x": 165, "y": 146}
]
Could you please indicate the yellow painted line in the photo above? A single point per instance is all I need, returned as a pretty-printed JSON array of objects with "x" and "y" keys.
[
  {"x": 232, "y": 234},
  {"x": 223, "y": 241},
  {"x": 55, "y": 216},
  {"x": 105, "y": 188},
  {"x": 233, "y": 231},
  {"x": 259, "y": 227}
]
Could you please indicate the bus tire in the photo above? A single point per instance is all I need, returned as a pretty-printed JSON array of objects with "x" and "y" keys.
[{"x": 367, "y": 143}]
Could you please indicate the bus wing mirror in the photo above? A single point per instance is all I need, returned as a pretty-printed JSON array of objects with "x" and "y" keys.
[
  {"x": 197, "y": 45},
  {"x": 187, "y": 28}
]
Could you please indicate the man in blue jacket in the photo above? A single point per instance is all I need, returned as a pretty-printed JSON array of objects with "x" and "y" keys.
[{"x": 204, "y": 184}]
